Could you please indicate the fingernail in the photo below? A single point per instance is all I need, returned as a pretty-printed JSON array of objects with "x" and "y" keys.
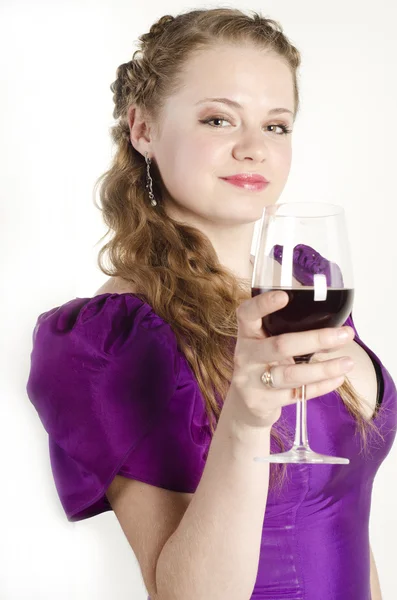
[
  {"x": 277, "y": 297},
  {"x": 342, "y": 334},
  {"x": 346, "y": 363}
]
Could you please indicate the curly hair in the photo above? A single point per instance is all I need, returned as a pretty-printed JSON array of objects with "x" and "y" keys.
[{"x": 174, "y": 266}]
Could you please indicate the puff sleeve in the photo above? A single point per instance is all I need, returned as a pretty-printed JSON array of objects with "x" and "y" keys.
[{"x": 104, "y": 380}]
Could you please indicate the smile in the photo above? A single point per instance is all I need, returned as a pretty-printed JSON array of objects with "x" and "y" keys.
[{"x": 253, "y": 186}]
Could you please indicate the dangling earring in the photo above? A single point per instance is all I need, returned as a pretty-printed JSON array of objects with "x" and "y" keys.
[{"x": 149, "y": 182}]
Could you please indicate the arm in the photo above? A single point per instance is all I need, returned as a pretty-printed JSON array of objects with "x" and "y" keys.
[
  {"x": 376, "y": 594},
  {"x": 214, "y": 552}
]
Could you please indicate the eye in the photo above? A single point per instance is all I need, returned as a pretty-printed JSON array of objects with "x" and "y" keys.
[
  {"x": 211, "y": 119},
  {"x": 284, "y": 129}
]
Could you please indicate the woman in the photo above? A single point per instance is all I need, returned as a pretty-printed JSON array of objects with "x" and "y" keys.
[{"x": 151, "y": 390}]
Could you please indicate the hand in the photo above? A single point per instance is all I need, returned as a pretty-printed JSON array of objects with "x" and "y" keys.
[{"x": 254, "y": 403}]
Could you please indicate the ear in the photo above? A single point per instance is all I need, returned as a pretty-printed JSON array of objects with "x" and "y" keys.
[{"x": 140, "y": 134}]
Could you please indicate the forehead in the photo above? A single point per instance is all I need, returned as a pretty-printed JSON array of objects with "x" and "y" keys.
[{"x": 245, "y": 73}]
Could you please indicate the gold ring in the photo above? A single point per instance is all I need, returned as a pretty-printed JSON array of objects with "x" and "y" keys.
[{"x": 267, "y": 378}]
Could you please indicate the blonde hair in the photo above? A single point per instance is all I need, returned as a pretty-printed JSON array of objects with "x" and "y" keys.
[{"x": 175, "y": 265}]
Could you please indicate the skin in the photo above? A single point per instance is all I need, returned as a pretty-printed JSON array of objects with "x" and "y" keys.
[{"x": 192, "y": 156}]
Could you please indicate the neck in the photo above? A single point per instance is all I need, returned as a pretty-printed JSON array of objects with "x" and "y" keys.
[
  {"x": 233, "y": 248},
  {"x": 232, "y": 242}
]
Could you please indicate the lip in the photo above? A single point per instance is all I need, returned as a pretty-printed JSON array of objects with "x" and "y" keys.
[
  {"x": 247, "y": 178},
  {"x": 248, "y": 181}
]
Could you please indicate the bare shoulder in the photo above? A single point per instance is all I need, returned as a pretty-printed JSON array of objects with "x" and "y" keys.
[{"x": 116, "y": 285}]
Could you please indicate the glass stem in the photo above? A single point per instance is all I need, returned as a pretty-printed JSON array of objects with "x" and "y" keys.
[{"x": 301, "y": 440}]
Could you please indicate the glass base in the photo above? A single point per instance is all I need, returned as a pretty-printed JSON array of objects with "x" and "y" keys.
[{"x": 302, "y": 455}]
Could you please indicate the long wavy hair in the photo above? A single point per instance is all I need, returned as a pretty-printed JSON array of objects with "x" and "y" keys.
[{"x": 174, "y": 266}]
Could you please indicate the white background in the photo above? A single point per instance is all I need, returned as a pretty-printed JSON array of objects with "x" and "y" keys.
[{"x": 58, "y": 60}]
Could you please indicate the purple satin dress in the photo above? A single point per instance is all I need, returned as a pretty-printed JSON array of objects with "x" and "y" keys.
[{"x": 117, "y": 396}]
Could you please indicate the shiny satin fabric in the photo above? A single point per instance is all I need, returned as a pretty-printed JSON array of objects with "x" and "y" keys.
[
  {"x": 116, "y": 395},
  {"x": 315, "y": 541}
]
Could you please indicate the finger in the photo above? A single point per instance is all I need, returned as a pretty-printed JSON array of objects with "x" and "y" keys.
[
  {"x": 315, "y": 390},
  {"x": 250, "y": 312},
  {"x": 329, "y": 350},
  {"x": 292, "y": 376},
  {"x": 277, "y": 348}
]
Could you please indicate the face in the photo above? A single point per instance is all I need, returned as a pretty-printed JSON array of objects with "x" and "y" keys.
[{"x": 202, "y": 142}]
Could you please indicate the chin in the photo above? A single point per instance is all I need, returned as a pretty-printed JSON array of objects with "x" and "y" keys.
[
  {"x": 248, "y": 212},
  {"x": 239, "y": 219}
]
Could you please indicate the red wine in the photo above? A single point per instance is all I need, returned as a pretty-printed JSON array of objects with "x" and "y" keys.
[{"x": 303, "y": 313}]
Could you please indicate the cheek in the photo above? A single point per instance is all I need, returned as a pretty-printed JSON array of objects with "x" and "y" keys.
[
  {"x": 177, "y": 161},
  {"x": 185, "y": 160},
  {"x": 197, "y": 153},
  {"x": 282, "y": 161}
]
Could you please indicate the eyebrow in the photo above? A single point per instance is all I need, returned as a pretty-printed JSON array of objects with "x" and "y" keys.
[{"x": 234, "y": 104}]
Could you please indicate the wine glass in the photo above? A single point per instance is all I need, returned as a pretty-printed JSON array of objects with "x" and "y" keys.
[{"x": 303, "y": 249}]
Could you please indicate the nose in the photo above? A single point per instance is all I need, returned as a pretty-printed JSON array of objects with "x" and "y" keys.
[{"x": 251, "y": 146}]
